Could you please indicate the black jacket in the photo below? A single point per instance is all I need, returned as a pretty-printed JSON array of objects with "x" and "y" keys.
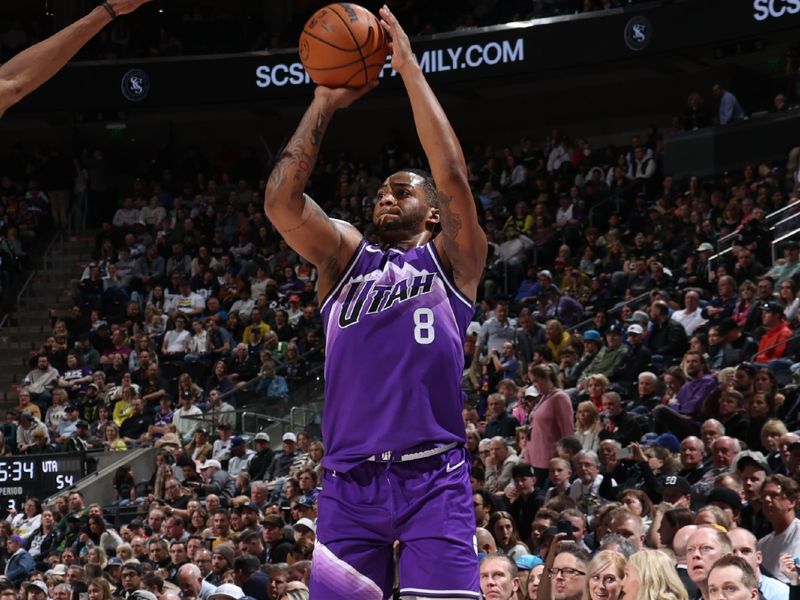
[{"x": 259, "y": 465}]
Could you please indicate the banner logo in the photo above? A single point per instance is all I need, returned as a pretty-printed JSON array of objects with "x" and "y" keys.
[
  {"x": 135, "y": 85},
  {"x": 638, "y": 33}
]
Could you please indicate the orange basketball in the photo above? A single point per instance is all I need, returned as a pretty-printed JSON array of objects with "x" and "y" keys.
[{"x": 343, "y": 45}]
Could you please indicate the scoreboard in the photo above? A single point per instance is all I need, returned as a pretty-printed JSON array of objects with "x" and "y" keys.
[{"x": 40, "y": 475}]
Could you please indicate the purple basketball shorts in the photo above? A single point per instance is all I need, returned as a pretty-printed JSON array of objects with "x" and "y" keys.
[{"x": 425, "y": 504}]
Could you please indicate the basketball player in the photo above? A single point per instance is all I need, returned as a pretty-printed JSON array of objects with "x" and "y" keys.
[
  {"x": 395, "y": 318},
  {"x": 33, "y": 66}
]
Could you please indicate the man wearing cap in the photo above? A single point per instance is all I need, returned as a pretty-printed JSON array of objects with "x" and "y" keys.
[
  {"x": 226, "y": 591},
  {"x": 222, "y": 558},
  {"x": 790, "y": 265},
  {"x": 609, "y": 359},
  {"x": 276, "y": 545},
  {"x": 689, "y": 317},
  {"x": 221, "y": 448},
  {"x": 20, "y": 563},
  {"x": 37, "y": 590},
  {"x": 240, "y": 458},
  {"x": 636, "y": 360},
  {"x": 184, "y": 417},
  {"x": 745, "y": 546},
  {"x": 131, "y": 578},
  {"x": 677, "y": 491},
  {"x": 770, "y": 346},
  {"x": 283, "y": 460},
  {"x": 524, "y": 498},
  {"x": 592, "y": 343},
  {"x": 736, "y": 346},
  {"x": 262, "y": 457},
  {"x": 215, "y": 480}
]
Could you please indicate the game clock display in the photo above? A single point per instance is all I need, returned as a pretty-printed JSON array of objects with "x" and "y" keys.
[{"x": 40, "y": 476}]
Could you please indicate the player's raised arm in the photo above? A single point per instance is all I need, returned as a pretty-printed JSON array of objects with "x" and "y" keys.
[
  {"x": 462, "y": 241},
  {"x": 326, "y": 243},
  {"x": 32, "y": 67}
]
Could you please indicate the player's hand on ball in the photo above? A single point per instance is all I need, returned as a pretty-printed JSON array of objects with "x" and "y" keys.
[
  {"x": 399, "y": 46},
  {"x": 343, "y": 97}
]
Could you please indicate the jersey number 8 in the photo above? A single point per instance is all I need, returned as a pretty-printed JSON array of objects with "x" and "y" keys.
[{"x": 424, "y": 333}]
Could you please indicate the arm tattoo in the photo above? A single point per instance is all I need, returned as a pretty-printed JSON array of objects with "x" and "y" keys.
[
  {"x": 451, "y": 224},
  {"x": 300, "y": 154}
]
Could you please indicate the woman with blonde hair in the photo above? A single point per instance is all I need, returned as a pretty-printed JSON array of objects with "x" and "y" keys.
[
  {"x": 588, "y": 425},
  {"x": 99, "y": 589},
  {"x": 651, "y": 575},
  {"x": 604, "y": 576},
  {"x": 596, "y": 385}
]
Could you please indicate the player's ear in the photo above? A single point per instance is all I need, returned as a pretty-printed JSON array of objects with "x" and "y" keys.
[{"x": 433, "y": 217}]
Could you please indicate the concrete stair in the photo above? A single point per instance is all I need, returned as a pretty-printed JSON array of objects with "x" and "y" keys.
[{"x": 29, "y": 325}]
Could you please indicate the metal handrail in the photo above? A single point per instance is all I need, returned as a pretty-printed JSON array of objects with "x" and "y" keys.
[
  {"x": 784, "y": 221},
  {"x": 613, "y": 310},
  {"x": 294, "y": 425},
  {"x": 776, "y": 242},
  {"x": 774, "y": 215}
]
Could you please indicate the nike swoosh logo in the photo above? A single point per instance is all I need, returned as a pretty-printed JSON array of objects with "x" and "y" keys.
[{"x": 451, "y": 468}]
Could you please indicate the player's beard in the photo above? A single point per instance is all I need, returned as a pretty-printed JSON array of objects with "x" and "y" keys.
[{"x": 403, "y": 222}]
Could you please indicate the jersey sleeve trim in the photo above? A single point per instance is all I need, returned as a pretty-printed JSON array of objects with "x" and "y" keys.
[
  {"x": 446, "y": 276},
  {"x": 334, "y": 291}
]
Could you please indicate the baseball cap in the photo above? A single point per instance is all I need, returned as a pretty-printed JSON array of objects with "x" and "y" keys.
[
  {"x": 614, "y": 329},
  {"x": 289, "y": 437},
  {"x": 307, "y": 502},
  {"x": 38, "y": 584},
  {"x": 272, "y": 521},
  {"x": 635, "y": 328},
  {"x": 224, "y": 425},
  {"x": 17, "y": 539},
  {"x": 683, "y": 485},
  {"x": 59, "y": 570},
  {"x": 306, "y": 522},
  {"x": 773, "y": 307},
  {"x": 545, "y": 273},
  {"x": 210, "y": 463},
  {"x": 753, "y": 460},
  {"x": 665, "y": 440},
  {"x": 705, "y": 247},
  {"x": 136, "y": 523},
  {"x": 522, "y": 470},
  {"x": 237, "y": 441},
  {"x": 639, "y": 316},
  {"x": 226, "y": 590},
  {"x": 725, "y": 496},
  {"x": 261, "y": 437},
  {"x": 592, "y": 335},
  {"x": 143, "y": 595},
  {"x": 25, "y": 415},
  {"x": 526, "y": 562},
  {"x": 249, "y": 506},
  {"x": 532, "y": 391},
  {"x": 115, "y": 561},
  {"x": 81, "y": 423}
]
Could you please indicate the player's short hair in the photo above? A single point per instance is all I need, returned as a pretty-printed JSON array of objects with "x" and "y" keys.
[{"x": 429, "y": 185}]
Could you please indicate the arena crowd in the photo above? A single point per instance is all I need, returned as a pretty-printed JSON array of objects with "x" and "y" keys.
[{"x": 630, "y": 396}]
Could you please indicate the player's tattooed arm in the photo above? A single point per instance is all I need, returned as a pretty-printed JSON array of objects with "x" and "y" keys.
[{"x": 303, "y": 224}]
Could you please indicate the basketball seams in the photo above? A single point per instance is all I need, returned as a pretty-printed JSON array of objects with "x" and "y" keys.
[
  {"x": 355, "y": 41},
  {"x": 327, "y": 43}
]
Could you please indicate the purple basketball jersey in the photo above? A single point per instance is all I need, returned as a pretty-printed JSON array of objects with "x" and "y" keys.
[{"x": 394, "y": 326}]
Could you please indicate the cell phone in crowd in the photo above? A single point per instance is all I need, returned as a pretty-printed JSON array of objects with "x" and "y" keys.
[
  {"x": 624, "y": 453},
  {"x": 564, "y": 526}
]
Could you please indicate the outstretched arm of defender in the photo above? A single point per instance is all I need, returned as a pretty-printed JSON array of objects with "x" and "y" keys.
[
  {"x": 462, "y": 242},
  {"x": 326, "y": 243},
  {"x": 32, "y": 67}
]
